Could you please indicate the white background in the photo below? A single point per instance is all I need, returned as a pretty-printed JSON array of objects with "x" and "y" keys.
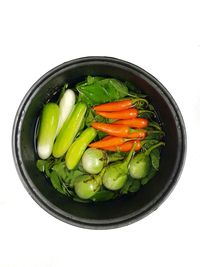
[{"x": 163, "y": 37}]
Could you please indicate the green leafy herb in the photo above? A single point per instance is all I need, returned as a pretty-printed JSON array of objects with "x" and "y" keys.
[
  {"x": 154, "y": 135},
  {"x": 41, "y": 165},
  {"x": 60, "y": 169},
  {"x": 116, "y": 87},
  {"x": 61, "y": 178},
  {"x": 131, "y": 185},
  {"x": 90, "y": 117},
  {"x": 146, "y": 144},
  {"x": 92, "y": 79},
  {"x": 126, "y": 186},
  {"x": 73, "y": 175},
  {"x": 135, "y": 186},
  {"x": 155, "y": 158},
  {"x": 149, "y": 176},
  {"x": 56, "y": 182},
  {"x": 155, "y": 125},
  {"x": 99, "y": 91},
  {"x": 148, "y": 114},
  {"x": 103, "y": 195}
]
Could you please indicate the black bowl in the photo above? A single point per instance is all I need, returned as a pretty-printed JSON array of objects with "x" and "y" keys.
[{"x": 114, "y": 213}]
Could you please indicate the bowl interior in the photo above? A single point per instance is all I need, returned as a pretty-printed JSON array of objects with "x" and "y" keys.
[{"x": 110, "y": 212}]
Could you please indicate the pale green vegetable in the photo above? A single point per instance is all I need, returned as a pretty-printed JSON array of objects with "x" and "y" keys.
[
  {"x": 47, "y": 130},
  {"x": 115, "y": 177},
  {"x": 87, "y": 186},
  {"x": 116, "y": 173},
  {"x": 66, "y": 106},
  {"x": 93, "y": 159},
  {"x": 140, "y": 165},
  {"x": 77, "y": 149},
  {"x": 69, "y": 130}
]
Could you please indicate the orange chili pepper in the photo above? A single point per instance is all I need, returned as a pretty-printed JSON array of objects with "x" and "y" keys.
[
  {"x": 135, "y": 123},
  {"x": 125, "y": 147},
  {"x": 112, "y": 141},
  {"x": 123, "y": 114},
  {"x": 114, "y": 106}
]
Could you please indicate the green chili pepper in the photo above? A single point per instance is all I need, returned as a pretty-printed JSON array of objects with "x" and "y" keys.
[
  {"x": 69, "y": 130},
  {"x": 77, "y": 149}
]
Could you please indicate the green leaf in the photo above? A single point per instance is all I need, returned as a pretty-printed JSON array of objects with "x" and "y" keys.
[
  {"x": 135, "y": 186},
  {"x": 61, "y": 178},
  {"x": 89, "y": 118},
  {"x": 48, "y": 166},
  {"x": 93, "y": 94},
  {"x": 60, "y": 169},
  {"x": 67, "y": 189},
  {"x": 155, "y": 158},
  {"x": 155, "y": 125},
  {"x": 149, "y": 176},
  {"x": 126, "y": 186},
  {"x": 100, "y": 135},
  {"x": 56, "y": 182},
  {"x": 73, "y": 175},
  {"x": 147, "y": 143},
  {"x": 131, "y": 185},
  {"x": 103, "y": 195},
  {"x": 41, "y": 165},
  {"x": 91, "y": 79},
  {"x": 119, "y": 87},
  {"x": 97, "y": 90},
  {"x": 151, "y": 107},
  {"x": 99, "y": 118},
  {"x": 154, "y": 135},
  {"x": 77, "y": 173},
  {"x": 140, "y": 103},
  {"x": 148, "y": 114}
]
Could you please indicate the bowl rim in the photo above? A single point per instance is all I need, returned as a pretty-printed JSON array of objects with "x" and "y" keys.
[{"x": 41, "y": 200}]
